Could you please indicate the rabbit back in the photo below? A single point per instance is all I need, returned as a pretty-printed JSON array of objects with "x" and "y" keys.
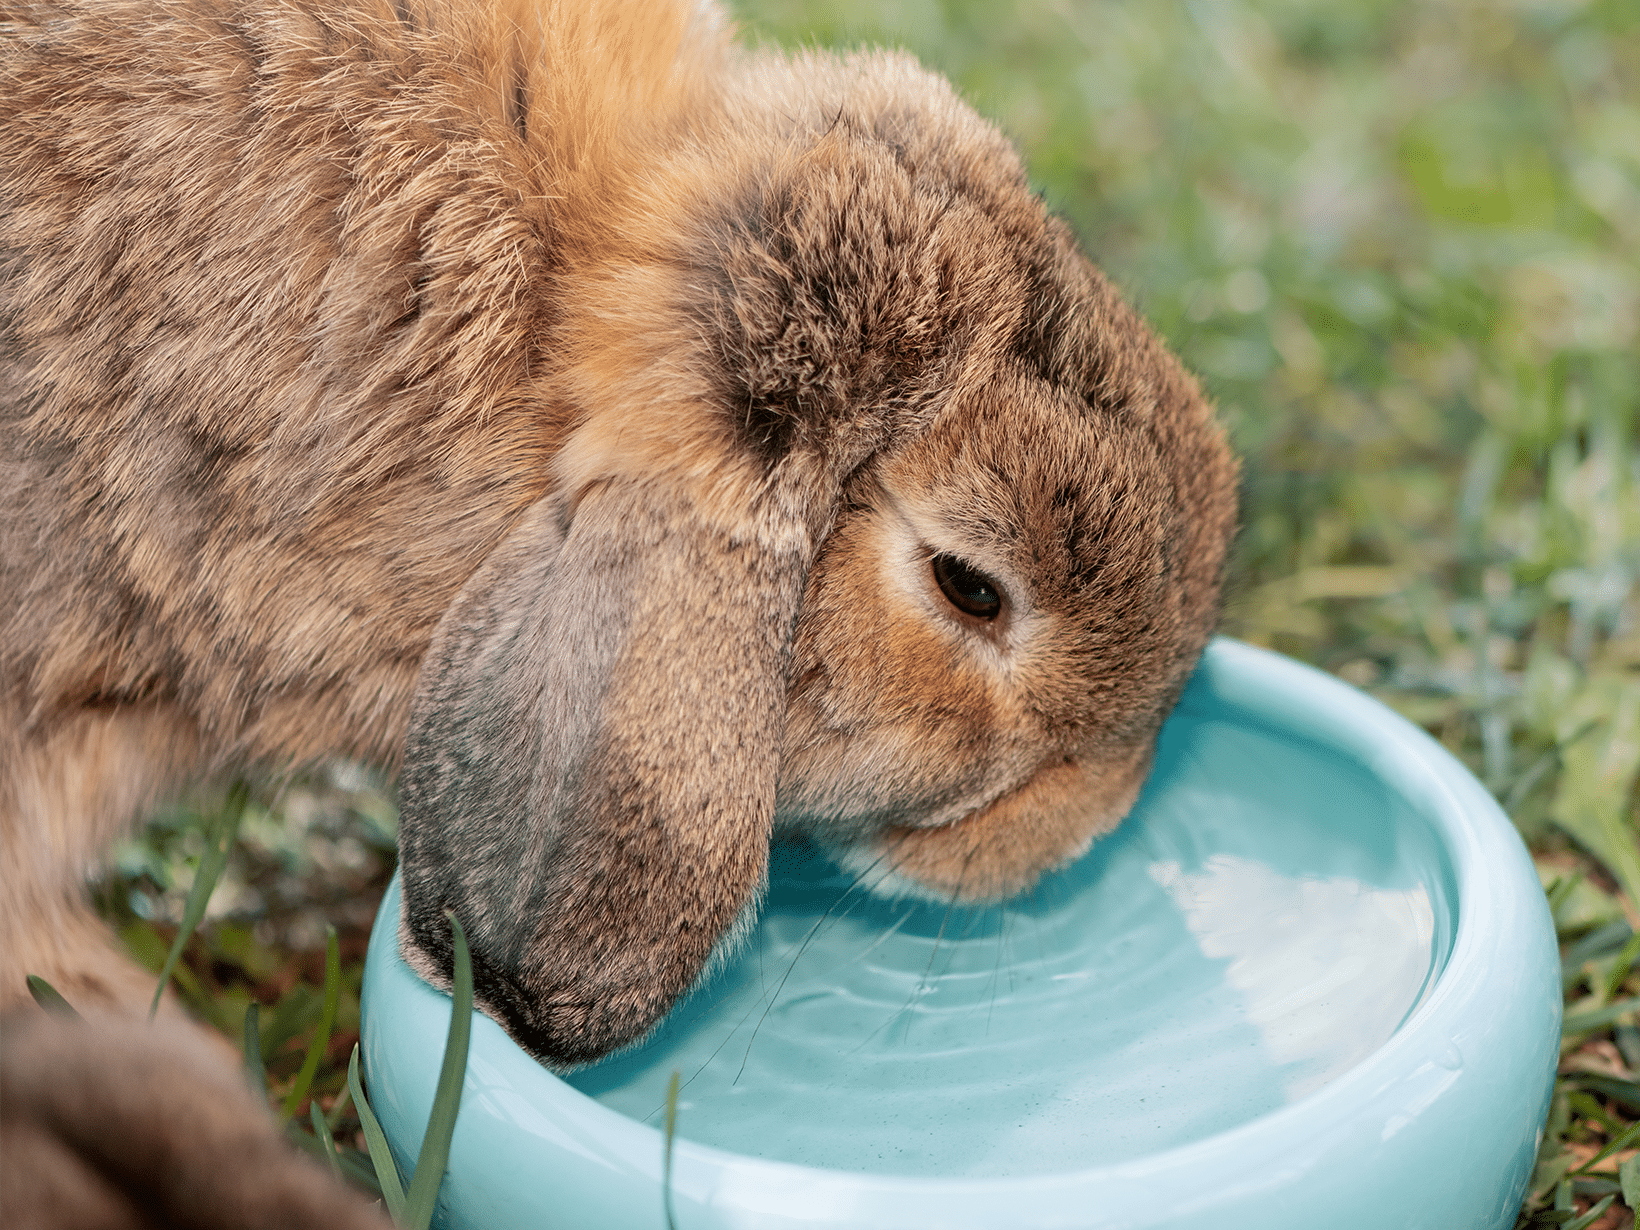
[
  {"x": 275, "y": 299},
  {"x": 583, "y": 404}
]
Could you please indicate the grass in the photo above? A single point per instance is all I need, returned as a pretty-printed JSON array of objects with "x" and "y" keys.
[
  {"x": 278, "y": 961},
  {"x": 374, "y": 1167},
  {"x": 1400, "y": 242}
]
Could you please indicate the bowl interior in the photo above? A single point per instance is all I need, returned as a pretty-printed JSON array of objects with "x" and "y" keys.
[{"x": 1268, "y": 916}]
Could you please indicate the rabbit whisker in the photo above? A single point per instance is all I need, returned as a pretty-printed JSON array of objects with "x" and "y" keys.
[
  {"x": 764, "y": 994},
  {"x": 798, "y": 956},
  {"x": 996, "y": 970},
  {"x": 923, "y": 980}
]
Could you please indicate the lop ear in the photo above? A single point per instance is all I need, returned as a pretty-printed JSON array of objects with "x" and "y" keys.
[{"x": 591, "y": 763}]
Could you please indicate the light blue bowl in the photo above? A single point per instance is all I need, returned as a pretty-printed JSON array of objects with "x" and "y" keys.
[{"x": 1310, "y": 981}]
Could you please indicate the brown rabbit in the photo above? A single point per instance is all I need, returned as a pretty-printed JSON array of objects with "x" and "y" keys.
[{"x": 650, "y": 445}]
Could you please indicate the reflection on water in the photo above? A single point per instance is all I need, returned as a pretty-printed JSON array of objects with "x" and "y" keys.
[
  {"x": 1265, "y": 919},
  {"x": 1326, "y": 968}
]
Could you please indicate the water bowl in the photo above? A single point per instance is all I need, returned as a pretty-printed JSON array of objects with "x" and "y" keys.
[{"x": 1310, "y": 981}]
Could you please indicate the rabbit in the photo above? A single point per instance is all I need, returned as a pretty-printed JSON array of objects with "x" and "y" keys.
[
  {"x": 96, "y": 1130},
  {"x": 647, "y": 445}
]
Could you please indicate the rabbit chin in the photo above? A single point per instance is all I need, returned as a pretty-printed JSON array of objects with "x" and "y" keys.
[
  {"x": 872, "y": 866},
  {"x": 1003, "y": 848},
  {"x": 871, "y": 863}
]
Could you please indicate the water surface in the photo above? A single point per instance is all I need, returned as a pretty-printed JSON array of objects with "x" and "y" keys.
[{"x": 1267, "y": 917}]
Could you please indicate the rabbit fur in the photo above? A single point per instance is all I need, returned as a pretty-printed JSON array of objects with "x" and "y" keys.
[
  {"x": 96, "y": 1130},
  {"x": 566, "y": 405}
]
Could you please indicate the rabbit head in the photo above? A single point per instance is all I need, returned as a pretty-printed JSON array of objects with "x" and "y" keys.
[{"x": 880, "y": 519}]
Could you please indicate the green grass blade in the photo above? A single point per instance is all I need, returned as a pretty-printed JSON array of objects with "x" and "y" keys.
[
  {"x": 1586, "y": 1107},
  {"x": 1625, "y": 1093},
  {"x": 338, "y": 1108},
  {"x": 1589, "y": 1218},
  {"x": 1548, "y": 1174},
  {"x": 671, "y": 1128},
  {"x": 327, "y": 1020},
  {"x": 1625, "y": 964},
  {"x": 1600, "y": 766},
  {"x": 1579, "y": 1022},
  {"x": 356, "y": 1169},
  {"x": 1597, "y": 943},
  {"x": 49, "y": 997},
  {"x": 1622, "y": 1141},
  {"x": 441, "y": 1124},
  {"x": 1561, "y": 890},
  {"x": 381, "y": 1156},
  {"x": 1628, "y": 1174},
  {"x": 321, "y": 1130},
  {"x": 255, "y": 1074},
  {"x": 219, "y": 839}
]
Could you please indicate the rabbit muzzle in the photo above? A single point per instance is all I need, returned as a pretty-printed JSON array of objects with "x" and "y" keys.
[{"x": 1004, "y": 848}]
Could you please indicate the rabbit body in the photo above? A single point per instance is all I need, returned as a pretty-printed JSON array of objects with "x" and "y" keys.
[{"x": 566, "y": 405}]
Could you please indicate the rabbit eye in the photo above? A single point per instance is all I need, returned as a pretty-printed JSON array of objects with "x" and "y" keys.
[{"x": 972, "y": 593}]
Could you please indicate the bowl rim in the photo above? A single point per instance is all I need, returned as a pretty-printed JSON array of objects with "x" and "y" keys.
[{"x": 1498, "y": 910}]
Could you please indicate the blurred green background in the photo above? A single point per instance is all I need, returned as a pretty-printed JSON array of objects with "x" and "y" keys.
[{"x": 1400, "y": 244}]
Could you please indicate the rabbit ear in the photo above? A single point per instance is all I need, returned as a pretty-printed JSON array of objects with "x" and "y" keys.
[{"x": 591, "y": 763}]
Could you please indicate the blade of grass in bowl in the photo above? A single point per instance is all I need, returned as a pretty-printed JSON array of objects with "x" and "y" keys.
[{"x": 666, "y": 1157}]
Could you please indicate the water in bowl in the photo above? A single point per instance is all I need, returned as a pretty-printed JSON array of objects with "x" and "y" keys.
[{"x": 1266, "y": 918}]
